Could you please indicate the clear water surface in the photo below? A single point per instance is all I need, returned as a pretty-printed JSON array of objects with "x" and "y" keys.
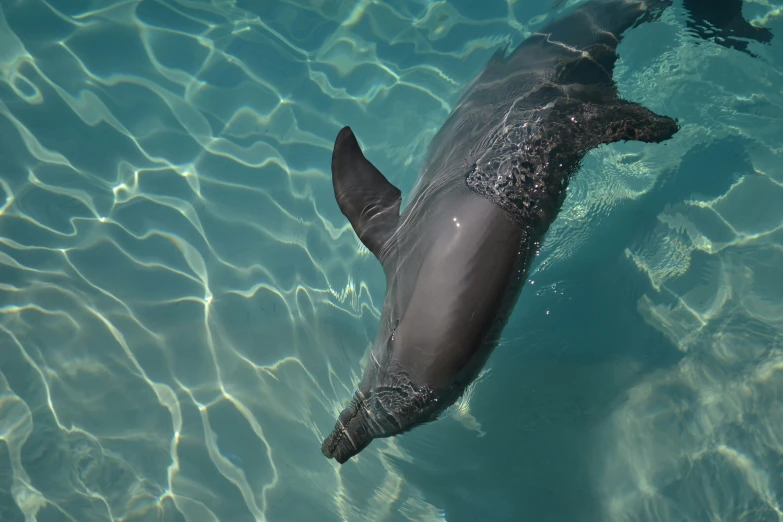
[{"x": 184, "y": 310}]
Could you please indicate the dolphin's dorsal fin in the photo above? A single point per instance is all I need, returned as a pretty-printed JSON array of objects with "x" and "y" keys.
[{"x": 364, "y": 195}]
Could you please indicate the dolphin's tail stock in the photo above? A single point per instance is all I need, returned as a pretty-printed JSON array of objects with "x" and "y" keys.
[
  {"x": 617, "y": 16},
  {"x": 597, "y": 26},
  {"x": 584, "y": 41},
  {"x": 722, "y": 21},
  {"x": 588, "y": 38},
  {"x": 588, "y": 111}
]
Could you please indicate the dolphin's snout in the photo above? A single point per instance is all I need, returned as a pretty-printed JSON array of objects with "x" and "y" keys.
[
  {"x": 351, "y": 433},
  {"x": 339, "y": 445}
]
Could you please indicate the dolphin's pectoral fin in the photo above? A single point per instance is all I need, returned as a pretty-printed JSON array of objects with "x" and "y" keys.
[
  {"x": 364, "y": 195},
  {"x": 626, "y": 121}
]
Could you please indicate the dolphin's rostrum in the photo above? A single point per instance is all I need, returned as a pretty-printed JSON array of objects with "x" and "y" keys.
[{"x": 494, "y": 180}]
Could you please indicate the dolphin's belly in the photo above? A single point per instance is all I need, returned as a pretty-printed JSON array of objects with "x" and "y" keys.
[{"x": 470, "y": 256}]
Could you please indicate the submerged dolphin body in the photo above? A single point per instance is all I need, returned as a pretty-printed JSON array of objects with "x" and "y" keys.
[{"x": 494, "y": 180}]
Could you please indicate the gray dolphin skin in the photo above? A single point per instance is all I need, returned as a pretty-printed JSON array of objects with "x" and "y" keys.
[{"x": 493, "y": 181}]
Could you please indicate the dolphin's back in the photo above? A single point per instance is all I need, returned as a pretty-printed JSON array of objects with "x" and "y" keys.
[
  {"x": 572, "y": 55},
  {"x": 552, "y": 99}
]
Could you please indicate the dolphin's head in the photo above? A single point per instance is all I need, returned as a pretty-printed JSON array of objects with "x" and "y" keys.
[
  {"x": 387, "y": 403},
  {"x": 393, "y": 397}
]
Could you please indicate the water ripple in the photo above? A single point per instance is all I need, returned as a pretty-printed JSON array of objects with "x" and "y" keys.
[{"x": 182, "y": 305}]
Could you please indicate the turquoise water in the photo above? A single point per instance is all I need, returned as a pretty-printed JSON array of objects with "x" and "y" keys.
[{"x": 184, "y": 310}]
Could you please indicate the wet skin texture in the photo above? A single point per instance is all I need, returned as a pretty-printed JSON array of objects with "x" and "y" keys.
[{"x": 494, "y": 180}]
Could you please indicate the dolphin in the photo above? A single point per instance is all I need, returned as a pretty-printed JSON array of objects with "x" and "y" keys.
[{"x": 493, "y": 181}]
